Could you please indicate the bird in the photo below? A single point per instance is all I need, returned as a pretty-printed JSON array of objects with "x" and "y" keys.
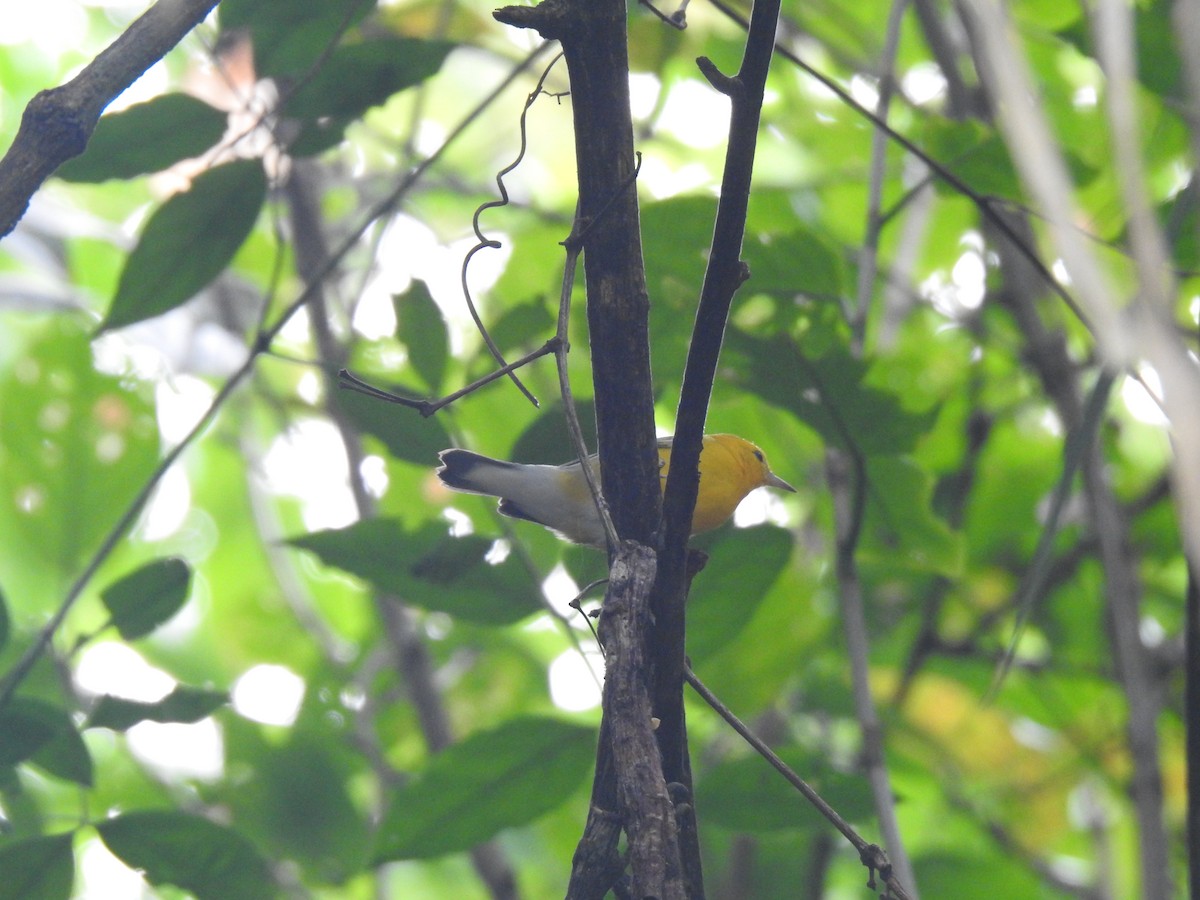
[{"x": 557, "y": 497}]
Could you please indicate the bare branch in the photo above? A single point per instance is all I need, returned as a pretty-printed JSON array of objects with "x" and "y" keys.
[
  {"x": 487, "y": 243},
  {"x": 400, "y": 626},
  {"x": 58, "y": 122},
  {"x": 646, "y": 807},
  {"x": 426, "y": 408},
  {"x": 847, "y": 477},
  {"x": 724, "y": 274},
  {"x": 871, "y": 855},
  {"x": 869, "y": 252}
]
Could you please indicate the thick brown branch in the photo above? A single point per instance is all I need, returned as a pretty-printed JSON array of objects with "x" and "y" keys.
[
  {"x": 642, "y": 797},
  {"x": 58, "y": 122},
  {"x": 628, "y": 770},
  {"x": 594, "y": 43}
]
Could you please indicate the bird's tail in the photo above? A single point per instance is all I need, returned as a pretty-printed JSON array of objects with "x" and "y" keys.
[{"x": 473, "y": 472}]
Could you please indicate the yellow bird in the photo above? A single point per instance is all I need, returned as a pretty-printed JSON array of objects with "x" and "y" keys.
[{"x": 557, "y": 497}]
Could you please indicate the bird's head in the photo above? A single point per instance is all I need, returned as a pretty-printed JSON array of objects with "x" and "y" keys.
[{"x": 751, "y": 462}]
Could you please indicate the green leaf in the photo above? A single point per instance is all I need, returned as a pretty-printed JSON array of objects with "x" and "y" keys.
[
  {"x": 26, "y": 726},
  {"x": 900, "y": 516},
  {"x": 290, "y": 35},
  {"x": 189, "y": 852},
  {"x": 827, "y": 392},
  {"x": 545, "y": 441},
  {"x": 5, "y": 622},
  {"x": 677, "y": 233},
  {"x": 973, "y": 152},
  {"x": 147, "y": 137},
  {"x": 356, "y": 77},
  {"x": 493, "y": 780},
  {"x": 295, "y": 800},
  {"x": 943, "y": 872},
  {"x": 315, "y": 136},
  {"x": 421, "y": 328},
  {"x": 404, "y": 431},
  {"x": 35, "y": 731},
  {"x": 188, "y": 241},
  {"x": 40, "y": 868},
  {"x": 803, "y": 262},
  {"x": 75, "y": 445},
  {"x": 429, "y": 568},
  {"x": 522, "y": 327},
  {"x": 183, "y": 704},
  {"x": 147, "y": 597},
  {"x": 747, "y": 794},
  {"x": 742, "y": 566}
]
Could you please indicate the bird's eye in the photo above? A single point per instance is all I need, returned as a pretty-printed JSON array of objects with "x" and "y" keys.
[{"x": 758, "y": 455}]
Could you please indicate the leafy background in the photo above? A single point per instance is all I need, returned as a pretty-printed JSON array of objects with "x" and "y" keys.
[{"x": 308, "y": 669}]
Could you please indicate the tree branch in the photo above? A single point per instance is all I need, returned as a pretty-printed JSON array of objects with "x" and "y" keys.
[
  {"x": 618, "y": 307},
  {"x": 58, "y": 122},
  {"x": 629, "y": 774},
  {"x": 870, "y": 854},
  {"x": 724, "y": 274},
  {"x": 646, "y": 807}
]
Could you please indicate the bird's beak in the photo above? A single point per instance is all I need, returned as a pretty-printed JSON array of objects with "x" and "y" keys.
[{"x": 774, "y": 480}]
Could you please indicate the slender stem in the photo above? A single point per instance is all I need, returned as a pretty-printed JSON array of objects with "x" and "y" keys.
[
  {"x": 871, "y": 855},
  {"x": 847, "y": 483},
  {"x": 723, "y": 276},
  {"x": 350, "y": 381},
  {"x": 574, "y": 429},
  {"x": 868, "y": 257},
  {"x": 485, "y": 243}
]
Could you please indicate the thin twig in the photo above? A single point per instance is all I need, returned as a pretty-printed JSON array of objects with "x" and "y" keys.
[
  {"x": 849, "y": 501},
  {"x": 677, "y": 19},
  {"x": 1033, "y": 583},
  {"x": 869, "y": 252},
  {"x": 872, "y": 856},
  {"x": 574, "y": 244},
  {"x": 426, "y": 408},
  {"x": 488, "y": 243},
  {"x": 411, "y": 652},
  {"x": 574, "y": 429}
]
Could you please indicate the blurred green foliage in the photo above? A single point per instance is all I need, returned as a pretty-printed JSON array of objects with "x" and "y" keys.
[{"x": 304, "y": 528}]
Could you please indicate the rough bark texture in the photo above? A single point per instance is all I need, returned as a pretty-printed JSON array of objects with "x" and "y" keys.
[
  {"x": 58, "y": 122},
  {"x": 629, "y": 779},
  {"x": 594, "y": 43}
]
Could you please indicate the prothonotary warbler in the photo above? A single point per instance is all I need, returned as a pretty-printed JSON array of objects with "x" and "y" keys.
[{"x": 558, "y": 498}]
